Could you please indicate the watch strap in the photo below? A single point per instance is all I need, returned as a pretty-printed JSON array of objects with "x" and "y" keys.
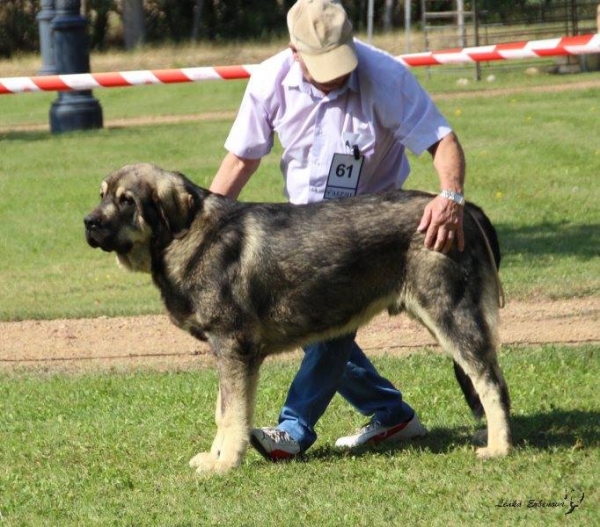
[{"x": 457, "y": 197}]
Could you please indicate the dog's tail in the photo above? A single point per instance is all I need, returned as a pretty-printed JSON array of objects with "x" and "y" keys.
[
  {"x": 490, "y": 239},
  {"x": 487, "y": 230}
]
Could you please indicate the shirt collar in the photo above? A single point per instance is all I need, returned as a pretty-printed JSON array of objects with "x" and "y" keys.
[{"x": 295, "y": 80}]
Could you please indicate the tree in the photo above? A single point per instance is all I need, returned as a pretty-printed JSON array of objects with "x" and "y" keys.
[
  {"x": 134, "y": 27},
  {"x": 388, "y": 14},
  {"x": 197, "y": 19}
]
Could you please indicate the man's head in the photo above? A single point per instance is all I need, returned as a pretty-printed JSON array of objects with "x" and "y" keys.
[{"x": 321, "y": 34}]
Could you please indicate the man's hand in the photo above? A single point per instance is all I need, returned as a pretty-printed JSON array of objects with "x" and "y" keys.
[{"x": 442, "y": 222}]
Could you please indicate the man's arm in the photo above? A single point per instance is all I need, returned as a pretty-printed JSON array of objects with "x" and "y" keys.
[
  {"x": 442, "y": 220},
  {"x": 233, "y": 174}
]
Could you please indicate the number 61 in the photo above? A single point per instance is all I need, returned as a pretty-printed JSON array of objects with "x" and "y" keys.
[{"x": 343, "y": 170}]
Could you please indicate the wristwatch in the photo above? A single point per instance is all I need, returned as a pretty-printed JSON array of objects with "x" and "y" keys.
[{"x": 457, "y": 197}]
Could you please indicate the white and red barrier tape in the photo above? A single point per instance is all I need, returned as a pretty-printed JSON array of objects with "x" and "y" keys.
[
  {"x": 90, "y": 81},
  {"x": 576, "y": 45}
]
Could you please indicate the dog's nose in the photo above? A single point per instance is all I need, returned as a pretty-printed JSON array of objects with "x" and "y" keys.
[{"x": 91, "y": 222}]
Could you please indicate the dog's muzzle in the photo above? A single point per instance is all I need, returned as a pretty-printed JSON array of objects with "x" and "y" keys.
[
  {"x": 98, "y": 233},
  {"x": 92, "y": 230}
]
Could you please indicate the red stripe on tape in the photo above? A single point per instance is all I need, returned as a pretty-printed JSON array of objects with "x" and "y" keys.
[
  {"x": 232, "y": 72},
  {"x": 420, "y": 61},
  {"x": 511, "y": 46},
  {"x": 578, "y": 40},
  {"x": 50, "y": 82},
  {"x": 110, "y": 79},
  {"x": 552, "y": 52},
  {"x": 169, "y": 76},
  {"x": 485, "y": 56}
]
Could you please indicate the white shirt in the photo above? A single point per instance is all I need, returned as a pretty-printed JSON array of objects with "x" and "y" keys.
[{"x": 382, "y": 104}]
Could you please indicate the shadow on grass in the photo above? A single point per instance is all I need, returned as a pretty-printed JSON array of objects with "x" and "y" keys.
[
  {"x": 543, "y": 431},
  {"x": 545, "y": 238},
  {"x": 28, "y": 136},
  {"x": 558, "y": 428}
]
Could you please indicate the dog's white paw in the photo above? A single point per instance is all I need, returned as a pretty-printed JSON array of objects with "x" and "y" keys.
[
  {"x": 491, "y": 452},
  {"x": 202, "y": 459},
  {"x": 207, "y": 463}
]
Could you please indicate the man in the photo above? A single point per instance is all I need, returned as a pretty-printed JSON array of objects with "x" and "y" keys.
[{"x": 344, "y": 113}]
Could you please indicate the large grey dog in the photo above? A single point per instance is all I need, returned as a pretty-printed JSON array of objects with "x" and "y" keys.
[{"x": 255, "y": 279}]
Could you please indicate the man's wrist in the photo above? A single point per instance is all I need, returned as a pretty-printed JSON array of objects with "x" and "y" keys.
[{"x": 457, "y": 197}]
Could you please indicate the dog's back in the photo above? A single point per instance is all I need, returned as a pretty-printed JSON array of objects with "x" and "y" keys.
[{"x": 301, "y": 273}]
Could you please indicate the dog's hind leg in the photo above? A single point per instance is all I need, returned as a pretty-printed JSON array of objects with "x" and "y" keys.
[
  {"x": 469, "y": 392},
  {"x": 235, "y": 406},
  {"x": 469, "y": 336},
  {"x": 490, "y": 385}
]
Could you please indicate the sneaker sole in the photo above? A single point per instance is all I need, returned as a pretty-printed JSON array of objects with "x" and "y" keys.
[
  {"x": 391, "y": 436},
  {"x": 388, "y": 435},
  {"x": 274, "y": 456}
]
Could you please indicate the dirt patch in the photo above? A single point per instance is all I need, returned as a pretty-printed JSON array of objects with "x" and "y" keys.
[{"x": 152, "y": 342}]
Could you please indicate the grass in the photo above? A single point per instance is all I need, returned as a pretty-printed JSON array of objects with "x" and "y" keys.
[
  {"x": 533, "y": 160},
  {"x": 43, "y": 202},
  {"x": 113, "y": 450},
  {"x": 532, "y": 171}
]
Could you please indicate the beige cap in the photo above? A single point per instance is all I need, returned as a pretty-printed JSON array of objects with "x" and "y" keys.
[{"x": 322, "y": 34}]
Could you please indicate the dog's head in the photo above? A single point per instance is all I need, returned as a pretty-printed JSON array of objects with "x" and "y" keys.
[{"x": 142, "y": 207}]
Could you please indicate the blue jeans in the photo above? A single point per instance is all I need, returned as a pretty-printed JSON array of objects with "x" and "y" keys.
[{"x": 338, "y": 365}]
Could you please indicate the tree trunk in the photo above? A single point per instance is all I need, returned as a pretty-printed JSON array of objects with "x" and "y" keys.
[
  {"x": 134, "y": 27},
  {"x": 388, "y": 15},
  {"x": 197, "y": 20}
]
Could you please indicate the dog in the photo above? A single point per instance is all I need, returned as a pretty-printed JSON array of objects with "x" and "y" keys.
[{"x": 256, "y": 279}]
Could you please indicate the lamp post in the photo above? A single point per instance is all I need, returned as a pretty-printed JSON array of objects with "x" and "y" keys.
[
  {"x": 76, "y": 110},
  {"x": 44, "y": 19}
]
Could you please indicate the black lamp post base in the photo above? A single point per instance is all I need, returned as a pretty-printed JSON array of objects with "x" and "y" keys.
[{"x": 75, "y": 111}]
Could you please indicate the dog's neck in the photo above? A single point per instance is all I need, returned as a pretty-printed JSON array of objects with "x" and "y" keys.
[{"x": 136, "y": 260}]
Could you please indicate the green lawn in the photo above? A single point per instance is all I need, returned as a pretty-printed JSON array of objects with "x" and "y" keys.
[
  {"x": 113, "y": 450},
  {"x": 533, "y": 164}
]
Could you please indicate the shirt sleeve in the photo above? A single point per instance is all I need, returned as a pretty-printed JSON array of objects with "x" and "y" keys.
[
  {"x": 251, "y": 135},
  {"x": 407, "y": 110},
  {"x": 421, "y": 123}
]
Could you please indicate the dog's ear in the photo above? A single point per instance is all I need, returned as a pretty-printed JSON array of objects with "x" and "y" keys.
[{"x": 177, "y": 204}]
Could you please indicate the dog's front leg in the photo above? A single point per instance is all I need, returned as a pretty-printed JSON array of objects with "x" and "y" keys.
[
  {"x": 206, "y": 459},
  {"x": 235, "y": 406}
]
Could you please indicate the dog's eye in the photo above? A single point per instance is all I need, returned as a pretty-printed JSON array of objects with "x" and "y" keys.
[{"x": 126, "y": 199}]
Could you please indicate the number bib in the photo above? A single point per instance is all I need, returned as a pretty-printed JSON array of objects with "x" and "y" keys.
[{"x": 344, "y": 173}]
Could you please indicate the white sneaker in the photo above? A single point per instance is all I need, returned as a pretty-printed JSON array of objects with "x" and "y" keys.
[
  {"x": 273, "y": 444},
  {"x": 375, "y": 433}
]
